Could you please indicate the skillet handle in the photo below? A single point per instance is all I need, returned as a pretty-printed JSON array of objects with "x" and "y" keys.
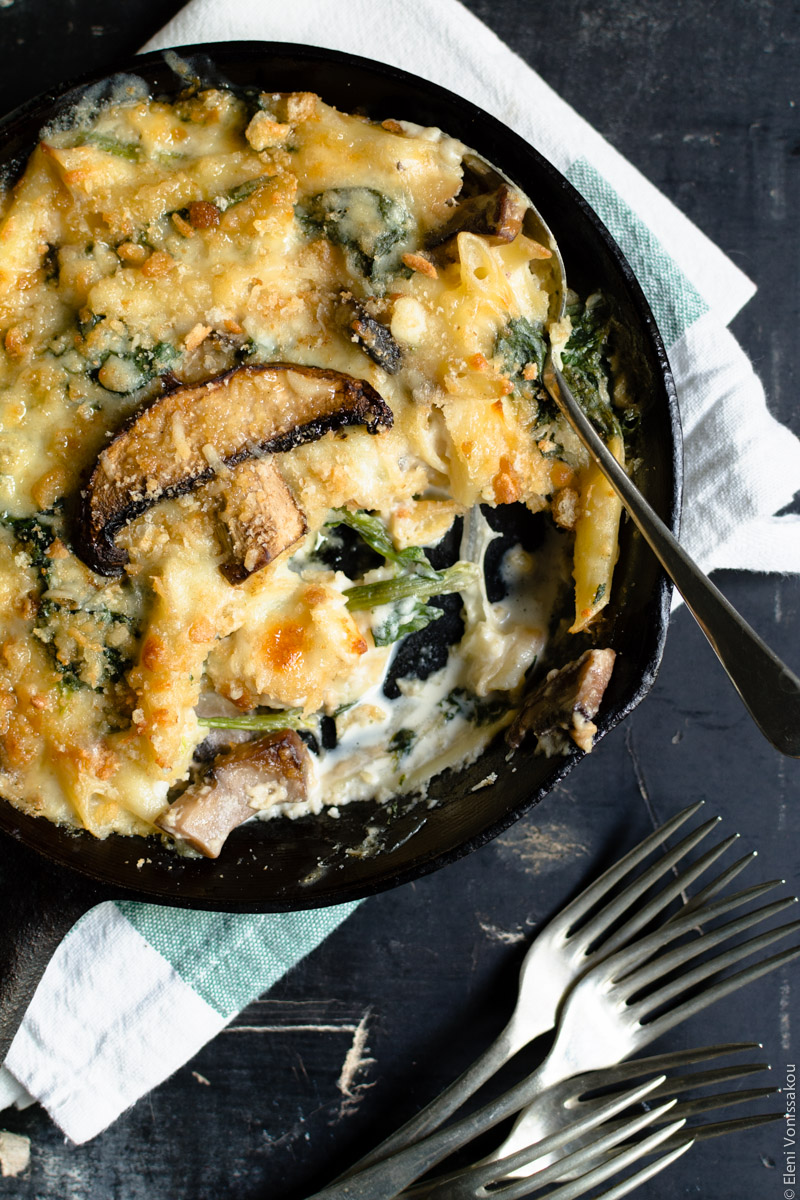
[{"x": 39, "y": 903}]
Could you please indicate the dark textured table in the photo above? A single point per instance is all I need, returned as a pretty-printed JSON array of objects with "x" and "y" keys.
[{"x": 703, "y": 99}]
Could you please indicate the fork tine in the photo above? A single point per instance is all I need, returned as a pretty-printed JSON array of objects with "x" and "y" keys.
[
  {"x": 674, "y": 1146},
  {"x": 619, "y": 1075},
  {"x": 470, "y": 1183},
  {"x": 712, "y": 966},
  {"x": 683, "y": 1138},
  {"x": 646, "y": 1173},
  {"x": 485, "y": 1173},
  {"x": 680, "y": 1140},
  {"x": 658, "y": 903},
  {"x": 657, "y": 1063},
  {"x": 703, "y": 1133},
  {"x": 598, "y": 1172},
  {"x": 678, "y": 956},
  {"x": 467, "y": 1182},
  {"x": 694, "y": 1108},
  {"x": 603, "y": 884},
  {"x": 619, "y": 904},
  {"x": 717, "y": 991},
  {"x": 623, "y": 961},
  {"x": 677, "y": 1084},
  {"x": 716, "y": 886},
  {"x": 575, "y": 1161},
  {"x": 704, "y": 1104}
]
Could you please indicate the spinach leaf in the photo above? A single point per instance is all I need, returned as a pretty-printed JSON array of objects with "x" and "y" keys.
[
  {"x": 404, "y": 618},
  {"x": 124, "y": 371},
  {"x": 366, "y": 222},
  {"x": 585, "y": 363},
  {"x": 269, "y": 720},
  {"x": 375, "y": 534},
  {"x": 111, "y": 145},
  {"x": 401, "y": 743},
  {"x": 35, "y": 534},
  {"x": 406, "y": 587},
  {"x": 243, "y": 191},
  {"x": 91, "y": 643},
  {"x": 405, "y": 596},
  {"x": 478, "y": 710},
  {"x": 77, "y": 638},
  {"x": 520, "y": 345}
]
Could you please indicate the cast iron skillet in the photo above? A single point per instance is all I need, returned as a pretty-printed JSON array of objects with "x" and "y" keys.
[{"x": 53, "y": 876}]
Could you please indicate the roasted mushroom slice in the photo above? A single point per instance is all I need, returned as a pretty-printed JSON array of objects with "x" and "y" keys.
[
  {"x": 372, "y": 335},
  {"x": 258, "y": 516},
  {"x": 565, "y": 702},
  {"x": 183, "y": 439},
  {"x": 479, "y": 176},
  {"x": 497, "y": 215},
  {"x": 240, "y": 782}
]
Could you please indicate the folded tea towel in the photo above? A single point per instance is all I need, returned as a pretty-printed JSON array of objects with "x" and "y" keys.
[{"x": 101, "y": 1031}]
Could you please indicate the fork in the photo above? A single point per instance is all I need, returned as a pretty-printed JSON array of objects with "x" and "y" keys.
[
  {"x": 601, "y": 1023},
  {"x": 474, "y": 1183},
  {"x": 594, "y": 1162},
  {"x": 564, "y": 950},
  {"x": 621, "y": 1024},
  {"x": 559, "y": 1105},
  {"x": 595, "y": 1152}
]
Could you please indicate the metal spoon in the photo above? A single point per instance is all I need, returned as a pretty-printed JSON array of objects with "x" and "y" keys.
[{"x": 770, "y": 691}]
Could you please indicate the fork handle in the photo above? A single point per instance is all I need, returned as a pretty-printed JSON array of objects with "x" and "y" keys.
[
  {"x": 386, "y": 1179},
  {"x": 446, "y": 1103}
]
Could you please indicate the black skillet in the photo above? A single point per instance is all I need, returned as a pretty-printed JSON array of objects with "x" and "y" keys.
[{"x": 51, "y": 876}]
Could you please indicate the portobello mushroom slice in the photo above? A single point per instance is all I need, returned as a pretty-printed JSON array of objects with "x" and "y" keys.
[
  {"x": 182, "y": 441},
  {"x": 252, "y": 776},
  {"x": 259, "y": 518},
  {"x": 565, "y": 702},
  {"x": 372, "y": 335},
  {"x": 497, "y": 215}
]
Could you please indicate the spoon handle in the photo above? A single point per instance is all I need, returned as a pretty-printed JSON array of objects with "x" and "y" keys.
[{"x": 770, "y": 691}]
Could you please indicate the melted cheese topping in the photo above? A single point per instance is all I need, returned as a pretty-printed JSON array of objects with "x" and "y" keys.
[{"x": 155, "y": 240}]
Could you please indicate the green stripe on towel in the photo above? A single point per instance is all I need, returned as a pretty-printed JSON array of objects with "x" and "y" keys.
[
  {"x": 228, "y": 958},
  {"x": 675, "y": 301}
]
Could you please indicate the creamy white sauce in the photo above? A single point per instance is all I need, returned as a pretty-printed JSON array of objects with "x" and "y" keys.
[{"x": 389, "y": 747}]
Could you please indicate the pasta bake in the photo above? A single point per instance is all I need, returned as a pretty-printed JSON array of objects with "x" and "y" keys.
[{"x": 268, "y": 370}]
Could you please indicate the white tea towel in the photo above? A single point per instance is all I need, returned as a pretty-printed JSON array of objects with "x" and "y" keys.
[
  {"x": 124, "y": 971},
  {"x": 134, "y": 991}
]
